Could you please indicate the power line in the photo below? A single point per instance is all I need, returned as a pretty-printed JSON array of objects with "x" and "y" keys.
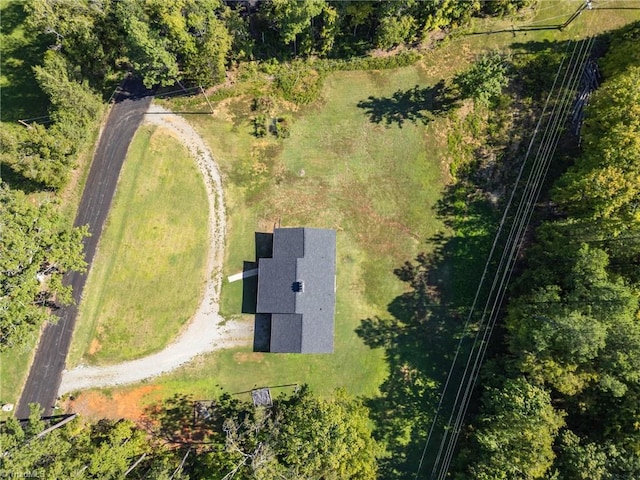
[
  {"x": 546, "y": 148},
  {"x": 484, "y": 273},
  {"x": 514, "y": 243}
]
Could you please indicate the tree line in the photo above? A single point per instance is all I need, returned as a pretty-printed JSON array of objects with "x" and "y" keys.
[
  {"x": 36, "y": 250},
  {"x": 44, "y": 154},
  {"x": 298, "y": 436},
  {"x": 563, "y": 400},
  {"x": 195, "y": 40}
]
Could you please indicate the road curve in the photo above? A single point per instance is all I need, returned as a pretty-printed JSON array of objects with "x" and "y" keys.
[
  {"x": 46, "y": 370},
  {"x": 206, "y": 330}
]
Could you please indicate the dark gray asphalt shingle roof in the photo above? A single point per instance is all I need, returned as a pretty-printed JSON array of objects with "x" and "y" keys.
[
  {"x": 286, "y": 333},
  {"x": 306, "y": 255},
  {"x": 275, "y": 278},
  {"x": 289, "y": 241}
]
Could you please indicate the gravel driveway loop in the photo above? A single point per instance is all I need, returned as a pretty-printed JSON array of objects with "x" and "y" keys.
[{"x": 207, "y": 330}]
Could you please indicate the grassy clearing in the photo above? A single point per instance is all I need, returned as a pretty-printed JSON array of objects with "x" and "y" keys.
[
  {"x": 150, "y": 266},
  {"x": 519, "y": 36},
  {"x": 375, "y": 183}
]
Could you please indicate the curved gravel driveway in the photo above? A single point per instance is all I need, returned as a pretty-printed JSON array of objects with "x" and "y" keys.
[{"x": 207, "y": 330}]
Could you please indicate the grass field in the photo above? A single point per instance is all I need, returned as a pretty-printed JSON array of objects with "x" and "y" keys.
[
  {"x": 149, "y": 269},
  {"x": 376, "y": 184},
  {"x": 350, "y": 164},
  {"x": 360, "y": 162}
]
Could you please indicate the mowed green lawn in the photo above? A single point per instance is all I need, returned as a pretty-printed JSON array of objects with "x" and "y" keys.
[
  {"x": 149, "y": 270},
  {"x": 375, "y": 184}
]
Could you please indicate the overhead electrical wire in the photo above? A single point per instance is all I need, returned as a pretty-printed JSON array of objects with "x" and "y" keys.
[
  {"x": 514, "y": 242},
  {"x": 547, "y": 145},
  {"x": 483, "y": 276},
  {"x": 546, "y": 148}
]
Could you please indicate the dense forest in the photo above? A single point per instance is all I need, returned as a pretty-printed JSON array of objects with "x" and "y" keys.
[
  {"x": 563, "y": 399},
  {"x": 196, "y": 40},
  {"x": 560, "y": 399}
]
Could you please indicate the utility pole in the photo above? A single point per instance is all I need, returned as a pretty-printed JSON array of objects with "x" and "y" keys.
[
  {"x": 57, "y": 425},
  {"x": 206, "y": 98}
]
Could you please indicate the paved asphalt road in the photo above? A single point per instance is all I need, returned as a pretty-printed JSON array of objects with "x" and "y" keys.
[{"x": 49, "y": 362}]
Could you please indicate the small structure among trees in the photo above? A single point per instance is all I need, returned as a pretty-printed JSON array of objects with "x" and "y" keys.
[{"x": 261, "y": 397}]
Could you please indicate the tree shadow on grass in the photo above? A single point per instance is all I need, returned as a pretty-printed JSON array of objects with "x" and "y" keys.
[
  {"x": 18, "y": 181},
  {"x": 13, "y": 15},
  {"x": 413, "y": 105},
  {"x": 21, "y": 95},
  {"x": 423, "y": 332}
]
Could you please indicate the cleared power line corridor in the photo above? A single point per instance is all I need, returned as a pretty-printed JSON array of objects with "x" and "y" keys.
[{"x": 485, "y": 310}]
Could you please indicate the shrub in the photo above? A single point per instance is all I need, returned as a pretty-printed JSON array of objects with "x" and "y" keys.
[
  {"x": 299, "y": 82},
  {"x": 281, "y": 127},
  {"x": 485, "y": 79},
  {"x": 260, "y": 125}
]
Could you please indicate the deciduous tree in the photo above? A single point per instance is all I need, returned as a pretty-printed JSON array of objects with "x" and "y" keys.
[
  {"x": 485, "y": 80},
  {"x": 35, "y": 251},
  {"x": 292, "y": 18},
  {"x": 79, "y": 449},
  {"x": 301, "y": 436},
  {"x": 148, "y": 53},
  {"x": 515, "y": 432}
]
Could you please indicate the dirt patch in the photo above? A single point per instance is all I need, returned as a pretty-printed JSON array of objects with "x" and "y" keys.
[
  {"x": 94, "y": 347},
  {"x": 254, "y": 357},
  {"x": 383, "y": 53},
  {"x": 225, "y": 108},
  {"x": 129, "y": 404}
]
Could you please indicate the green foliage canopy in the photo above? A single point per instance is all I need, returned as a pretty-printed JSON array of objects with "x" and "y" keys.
[
  {"x": 35, "y": 251},
  {"x": 568, "y": 333},
  {"x": 46, "y": 155},
  {"x": 161, "y": 41},
  {"x": 301, "y": 436},
  {"x": 603, "y": 188},
  {"x": 515, "y": 432},
  {"x": 292, "y": 18},
  {"x": 81, "y": 450},
  {"x": 485, "y": 80},
  {"x": 573, "y": 322}
]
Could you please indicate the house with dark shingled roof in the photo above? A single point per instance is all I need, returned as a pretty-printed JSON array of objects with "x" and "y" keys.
[{"x": 297, "y": 287}]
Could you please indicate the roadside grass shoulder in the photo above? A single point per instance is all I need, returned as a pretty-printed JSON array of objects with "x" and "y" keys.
[
  {"x": 149, "y": 270},
  {"x": 14, "y": 367}
]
